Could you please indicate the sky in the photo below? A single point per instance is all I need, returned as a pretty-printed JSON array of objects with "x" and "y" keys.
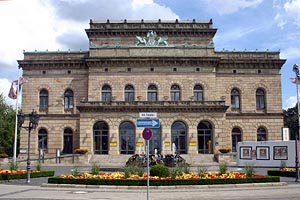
[{"x": 29, "y": 25}]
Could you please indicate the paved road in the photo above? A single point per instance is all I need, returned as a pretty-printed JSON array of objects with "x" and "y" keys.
[
  {"x": 12, "y": 192},
  {"x": 18, "y": 189}
]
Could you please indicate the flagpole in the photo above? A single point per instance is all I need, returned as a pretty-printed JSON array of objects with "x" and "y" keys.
[{"x": 16, "y": 121}]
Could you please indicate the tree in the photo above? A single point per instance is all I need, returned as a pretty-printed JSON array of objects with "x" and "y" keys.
[
  {"x": 7, "y": 127},
  {"x": 291, "y": 120}
]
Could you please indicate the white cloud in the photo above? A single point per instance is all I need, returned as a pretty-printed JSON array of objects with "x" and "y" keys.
[
  {"x": 287, "y": 13},
  {"x": 290, "y": 53},
  {"x": 223, "y": 7},
  {"x": 4, "y": 89},
  {"x": 290, "y": 102}
]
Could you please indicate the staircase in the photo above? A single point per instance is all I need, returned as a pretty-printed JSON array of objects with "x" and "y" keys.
[{"x": 111, "y": 161}]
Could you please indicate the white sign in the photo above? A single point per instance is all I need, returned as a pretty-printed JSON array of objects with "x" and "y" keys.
[
  {"x": 148, "y": 115},
  {"x": 285, "y": 134}
]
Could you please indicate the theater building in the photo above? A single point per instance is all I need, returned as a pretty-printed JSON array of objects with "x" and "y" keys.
[{"x": 204, "y": 99}]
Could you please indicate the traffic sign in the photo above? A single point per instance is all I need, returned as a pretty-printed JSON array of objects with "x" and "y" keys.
[
  {"x": 147, "y": 134},
  {"x": 148, "y": 115},
  {"x": 147, "y": 123}
]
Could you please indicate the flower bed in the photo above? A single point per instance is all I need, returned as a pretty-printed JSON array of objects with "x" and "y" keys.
[
  {"x": 118, "y": 178},
  {"x": 22, "y": 174},
  {"x": 286, "y": 172}
]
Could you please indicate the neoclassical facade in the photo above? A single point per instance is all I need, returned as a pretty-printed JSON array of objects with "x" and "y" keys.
[{"x": 205, "y": 99}]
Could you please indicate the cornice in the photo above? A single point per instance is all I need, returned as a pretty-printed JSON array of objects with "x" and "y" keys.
[{"x": 157, "y": 106}]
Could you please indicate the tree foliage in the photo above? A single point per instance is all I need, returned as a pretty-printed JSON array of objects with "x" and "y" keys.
[
  {"x": 7, "y": 127},
  {"x": 291, "y": 121}
]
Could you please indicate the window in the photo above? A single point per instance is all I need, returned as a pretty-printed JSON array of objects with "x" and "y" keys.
[
  {"x": 205, "y": 137},
  {"x": 129, "y": 93},
  {"x": 106, "y": 93},
  {"x": 69, "y": 99},
  {"x": 174, "y": 69},
  {"x": 198, "y": 93},
  {"x": 43, "y": 100},
  {"x": 261, "y": 134},
  {"x": 101, "y": 133},
  {"x": 42, "y": 139},
  {"x": 236, "y": 137},
  {"x": 152, "y": 93},
  {"x": 260, "y": 99},
  {"x": 68, "y": 141},
  {"x": 127, "y": 138},
  {"x": 179, "y": 137},
  {"x": 235, "y": 99},
  {"x": 175, "y": 93}
]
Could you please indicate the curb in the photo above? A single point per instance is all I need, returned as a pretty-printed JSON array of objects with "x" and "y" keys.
[{"x": 49, "y": 185}]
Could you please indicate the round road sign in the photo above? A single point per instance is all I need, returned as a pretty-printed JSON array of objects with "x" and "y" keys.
[{"x": 147, "y": 134}]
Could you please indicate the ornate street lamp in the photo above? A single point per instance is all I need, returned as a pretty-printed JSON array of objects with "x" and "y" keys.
[
  {"x": 296, "y": 81},
  {"x": 33, "y": 123},
  {"x": 292, "y": 114}
]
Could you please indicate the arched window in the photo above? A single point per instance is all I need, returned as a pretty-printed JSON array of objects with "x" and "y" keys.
[
  {"x": 179, "y": 137},
  {"x": 69, "y": 99},
  {"x": 106, "y": 93},
  {"x": 175, "y": 93},
  {"x": 198, "y": 93},
  {"x": 43, "y": 106},
  {"x": 235, "y": 99},
  {"x": 129, "y": 93},
  {"x": 152, "y": 93},
  {"x": 236, "y": 136},
  {"x": 43, "y": 139},
  {"x": 205, "y": 137},
  {"x": 68, "y": 141},
  {"x": 260, "y": 99},
  {"x": 261, "y": 134},
  {"x": 101, "y": 131},
  {"x": 127, "y": 138}
]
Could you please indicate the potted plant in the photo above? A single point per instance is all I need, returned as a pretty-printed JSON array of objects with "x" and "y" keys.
[{"x": 224, "y": 150}]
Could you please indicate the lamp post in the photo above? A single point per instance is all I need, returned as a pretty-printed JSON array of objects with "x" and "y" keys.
[
  {"x": 294, "y": 116},
  {"x": 33, "y": 123}
]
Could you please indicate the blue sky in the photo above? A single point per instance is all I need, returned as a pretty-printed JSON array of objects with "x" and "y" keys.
[{"x": 59, "y": 24}]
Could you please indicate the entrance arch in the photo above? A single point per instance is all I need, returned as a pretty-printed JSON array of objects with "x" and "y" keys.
[
  {"x": 127, "y": 138},
  {"x": 101, "y": 132},
  {"x": 205, "y": 137},
  {"x": 179, "y": 137}
]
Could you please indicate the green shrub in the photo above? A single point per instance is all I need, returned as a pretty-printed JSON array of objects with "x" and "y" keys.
[
  {"x": 160, "y": 170},
  {"x": 39, "y": 167},
  {"x": 249, "y": 171},
  {"x": 133, "y": 170},
  {"x": 281, "y": 173},
  {"x": 95, "y": 169},
  {"x": 175, "y": 171},
  {"x": 24, "y": 176},
  {"x": 57, "y": 180},
  {"x": 202, "y": 170},
  {"x": 223, "y": 168},
  {"x": 13, "y": 166},
  {"x": 76, "y": 170}
]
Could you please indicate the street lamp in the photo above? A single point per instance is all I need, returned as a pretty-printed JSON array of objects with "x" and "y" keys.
[
  {"x": 33, "y": 123},
  {"x": 293, "y": 114}
]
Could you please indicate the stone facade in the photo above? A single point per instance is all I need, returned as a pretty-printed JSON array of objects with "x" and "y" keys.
[{"x": 116, "y": 58}]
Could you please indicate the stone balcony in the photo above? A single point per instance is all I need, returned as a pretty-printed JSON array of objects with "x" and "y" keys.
[{"x": 152, "y": 106}]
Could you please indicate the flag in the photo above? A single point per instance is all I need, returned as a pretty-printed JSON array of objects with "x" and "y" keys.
[
  {"x": 13, "y": 93},
  {"x": 296, "y": 69},
  {"x": 295, "y": 80}
]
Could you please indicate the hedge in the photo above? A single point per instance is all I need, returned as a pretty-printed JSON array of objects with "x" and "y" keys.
[
  {"x": 58, "y": 180},
  {"x": 281, "y": 173},
  {"x": 24, "y": 176}
]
